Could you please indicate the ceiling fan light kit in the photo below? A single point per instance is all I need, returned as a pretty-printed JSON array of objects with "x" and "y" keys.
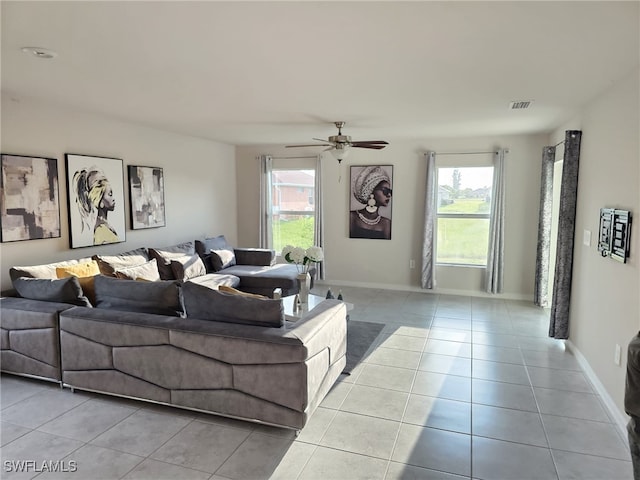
[{"x": 340, "y": 145}]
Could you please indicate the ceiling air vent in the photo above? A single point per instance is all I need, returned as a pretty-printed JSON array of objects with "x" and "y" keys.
[{"x": 520, "y": 105}]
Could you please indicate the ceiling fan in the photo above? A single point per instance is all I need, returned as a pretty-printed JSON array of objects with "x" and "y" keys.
[{"x": 339, "y": 145}]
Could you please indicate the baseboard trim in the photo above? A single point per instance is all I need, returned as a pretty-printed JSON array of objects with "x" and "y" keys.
[
  {"x": 620, "y": 418},
  {"x": 435, "y": 291}
]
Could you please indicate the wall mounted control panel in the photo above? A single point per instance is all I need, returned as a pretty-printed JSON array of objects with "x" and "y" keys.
[{"x": 614, "y": 233}]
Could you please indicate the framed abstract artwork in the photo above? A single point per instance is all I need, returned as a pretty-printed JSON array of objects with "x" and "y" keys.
[
  {"x": 95, "y": 189},
  {"x": 29, "y": 198},
  {"x": 146, "y": 196},
  {"x": 370, "y": 202}
]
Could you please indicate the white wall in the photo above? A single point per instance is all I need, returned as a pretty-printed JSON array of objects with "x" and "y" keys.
[
  {"x": 385, "y": 264},
  {"x": 605, "y": 294},
  {"x": 199, "y": 175}
]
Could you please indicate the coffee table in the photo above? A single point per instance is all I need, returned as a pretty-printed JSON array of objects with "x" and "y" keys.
[{"x": 292, "y": 315}]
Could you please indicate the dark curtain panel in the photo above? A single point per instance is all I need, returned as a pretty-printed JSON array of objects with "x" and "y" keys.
[
  {"x": 559, "y": 322},
  {"x": 541, "y": 292}
]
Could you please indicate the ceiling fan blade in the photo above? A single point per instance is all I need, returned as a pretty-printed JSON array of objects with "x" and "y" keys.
[
  {"x": 380, "y": 142},
  {"x": 368, "y": 145},
  {"x": 311, "y": 145}
]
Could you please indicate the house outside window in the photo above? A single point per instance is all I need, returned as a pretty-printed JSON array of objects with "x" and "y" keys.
[
  {"x": 293, "y": 213},
  {"x": 463, "y": 215}
]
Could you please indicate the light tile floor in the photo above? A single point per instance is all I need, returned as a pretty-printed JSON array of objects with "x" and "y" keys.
[{"x": 454, "y": 387}]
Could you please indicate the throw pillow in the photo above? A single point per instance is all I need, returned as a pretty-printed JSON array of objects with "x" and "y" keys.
[
  {"x": 42, "y": 271},
  {"x": 207, "y": 304},
  {"x": 65, "y": 290},
  {"x": 223, "y": 258},
  {"x": 216, "y": 252},
  {"x": 147, "y": 271},
  {"x": 85, "y": 272},
  {"x": 161, "y": 297},
  {"x": 186, "y": 267},
  {"x": 233, "y": 291},
  {"x": 110, "y": 263},
  {"x": 166, "y": 254}
]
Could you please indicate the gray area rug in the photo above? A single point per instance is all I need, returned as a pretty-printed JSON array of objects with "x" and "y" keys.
[{"x": 360, "y": 336}]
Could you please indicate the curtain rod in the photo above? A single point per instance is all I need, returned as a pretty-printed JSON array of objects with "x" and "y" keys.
[
  {"x": 463, "y": 153},
  {"x": 285, "y": 158}
]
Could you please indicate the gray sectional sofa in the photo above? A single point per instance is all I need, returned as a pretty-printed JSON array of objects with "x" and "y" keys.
[{"x": 177, "y": 342}]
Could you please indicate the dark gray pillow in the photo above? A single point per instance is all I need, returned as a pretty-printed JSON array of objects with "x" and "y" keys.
[
  {"x": 161, "y": 297},
  {"x": 207, "y": 304},
  {"x": 187, "y": 267},
  {"x": 164, "y": 256},
  {"x": 64, "y": 290}
]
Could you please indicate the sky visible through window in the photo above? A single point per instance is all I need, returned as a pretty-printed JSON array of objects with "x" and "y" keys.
[{"x": 471, "y": 177}]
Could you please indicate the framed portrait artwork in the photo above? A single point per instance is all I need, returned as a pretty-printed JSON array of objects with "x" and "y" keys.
[
  {"x": 146, "y": 195},
  {"x": 29, "y": 198},
  {"x": 370, "y": 202},
  {"x": 95, "y": 189}
]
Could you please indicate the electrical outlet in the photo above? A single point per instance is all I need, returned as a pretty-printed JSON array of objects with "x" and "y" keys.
[
  {"x": 617, "y": 355},
  {"x": 412, "y": 263},
  {"x": 586, "y": 238}
]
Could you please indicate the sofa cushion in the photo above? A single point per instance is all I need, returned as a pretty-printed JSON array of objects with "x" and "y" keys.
[
  {"x": 215, "y": 280},
  {"x": 110, "y": 263},
  {"x": 164, "y": 256},
  {"x": 65, "y": 290},
  {"x": 282, "y": 275},
  {"x": 85, "y": 273},
  {"x": 161, "y": 297},
  {"x": 207, "y": 304},
  {"x": 186, "y": 267},
  {"x": 42, "y": 271},
  {"x": 145, "y": 271}
]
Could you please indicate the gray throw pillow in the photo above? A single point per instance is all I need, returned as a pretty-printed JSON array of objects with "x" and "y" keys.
[
  {"x": 165, "y": 255},
  {"x": 207, "y": 304},
  {"x": 186, "y": 267},
  {"x": 64, "y": 290},
  {"x": 161, "y": 297}
]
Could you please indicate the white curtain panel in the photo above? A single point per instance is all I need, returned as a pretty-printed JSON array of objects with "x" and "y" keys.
[
  {"x": 428, "y": 279},
  {"x": 265, "y": 202},
  {"x": 495, "y": 255},
  {"x": 319, "y": 223},
  {"x": 541, "y": 287}
]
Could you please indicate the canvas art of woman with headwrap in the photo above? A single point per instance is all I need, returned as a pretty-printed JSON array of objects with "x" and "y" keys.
[
  {"x": 94, "y": 199},
  {"x": 371, "y": 187}
]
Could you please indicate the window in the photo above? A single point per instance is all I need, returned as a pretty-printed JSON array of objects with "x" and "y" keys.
[
  {"x": 292, "y": 207},
  {"x": 463, "y": 214}
]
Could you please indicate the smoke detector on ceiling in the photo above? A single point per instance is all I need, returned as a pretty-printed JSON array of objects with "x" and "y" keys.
[{"x": 520, "y": 104}]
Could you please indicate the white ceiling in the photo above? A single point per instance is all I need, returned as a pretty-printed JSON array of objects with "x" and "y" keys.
[{"x": 281, "y": 72}]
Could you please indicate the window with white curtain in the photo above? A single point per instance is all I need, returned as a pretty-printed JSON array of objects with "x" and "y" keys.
[
  {"x": 463, "y": 214},
  {"x": 293, "y": 211}
]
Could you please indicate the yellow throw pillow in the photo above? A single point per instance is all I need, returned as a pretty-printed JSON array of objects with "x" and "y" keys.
[
  {"x": 85, "y": 273},
  {"x": 226, "y": 289}
]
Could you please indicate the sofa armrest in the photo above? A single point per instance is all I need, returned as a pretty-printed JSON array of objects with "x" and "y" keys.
[
  {"x": 255, "y": 256},
  {"x": 323, "y": 326}
]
